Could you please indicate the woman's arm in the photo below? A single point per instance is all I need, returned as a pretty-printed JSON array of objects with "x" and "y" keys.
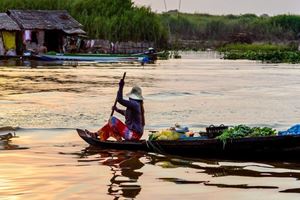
[
  {"x": 122, "y": 101},
  {"x": 122, "y": 112}
]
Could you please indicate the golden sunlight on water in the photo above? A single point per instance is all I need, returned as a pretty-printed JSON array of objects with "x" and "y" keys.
[
  {"x": 189, "y": 91},
  {"x": 49, "y": 161}
]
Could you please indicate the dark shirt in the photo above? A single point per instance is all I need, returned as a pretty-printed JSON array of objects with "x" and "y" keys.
[{"x": 133, "y": 113}]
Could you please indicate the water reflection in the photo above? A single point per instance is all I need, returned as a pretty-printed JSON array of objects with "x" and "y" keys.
[
  {"x": 123, "y": 166},
  {"x": 219, "y": 168},
  {"x": 8, "y": 145},
  {"x": 28, "y": 63},
  {"x": 206, "y": 173}
]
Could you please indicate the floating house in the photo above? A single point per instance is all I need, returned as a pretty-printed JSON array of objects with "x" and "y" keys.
[
  {"x": 8, "y": 35},
  {"x": 47, "y": 30}
]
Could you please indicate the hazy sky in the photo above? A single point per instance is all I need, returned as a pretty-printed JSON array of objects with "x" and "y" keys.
[{"x": 270, "y": 7}]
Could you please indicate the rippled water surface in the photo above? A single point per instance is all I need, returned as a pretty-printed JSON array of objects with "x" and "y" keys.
[{"x": 47, "y": 160}]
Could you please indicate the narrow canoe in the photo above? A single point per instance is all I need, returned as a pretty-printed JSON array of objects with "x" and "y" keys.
[
  {"x": 101, "y": 58},
  {"x": 256, "y": 148}
]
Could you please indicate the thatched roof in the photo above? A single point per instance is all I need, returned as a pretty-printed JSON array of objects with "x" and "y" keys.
[
  {"x": 6, "y": 23},
  {"x": 46, "y": 20}
]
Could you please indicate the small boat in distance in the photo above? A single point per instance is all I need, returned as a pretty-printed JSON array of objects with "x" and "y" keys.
[
  {"x": 7, "y": 136},
  {"x": 100, "y": 58}
]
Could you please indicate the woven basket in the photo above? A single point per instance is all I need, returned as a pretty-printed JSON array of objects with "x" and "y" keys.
[{"x": 214, "y": 131}]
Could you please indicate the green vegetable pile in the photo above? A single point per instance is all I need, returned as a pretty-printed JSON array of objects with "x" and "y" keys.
[{"x": 241, "y": 131}]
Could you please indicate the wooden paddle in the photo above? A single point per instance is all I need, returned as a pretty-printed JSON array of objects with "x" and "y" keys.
[{"x": 112, "y": 112}]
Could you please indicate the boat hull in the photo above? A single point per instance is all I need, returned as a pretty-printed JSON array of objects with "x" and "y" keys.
[
  {"x": 92, "y": 58},
  {"x": 266, "y": 148}
]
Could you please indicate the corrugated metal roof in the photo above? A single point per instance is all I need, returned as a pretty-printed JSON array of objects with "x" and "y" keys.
[{"x": 6, "y": 23}]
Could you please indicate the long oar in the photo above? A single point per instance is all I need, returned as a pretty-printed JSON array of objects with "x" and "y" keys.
[{"x": 112, "y": 112}]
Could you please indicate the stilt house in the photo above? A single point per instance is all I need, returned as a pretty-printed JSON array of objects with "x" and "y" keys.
[{"x": 53, "y": 30}]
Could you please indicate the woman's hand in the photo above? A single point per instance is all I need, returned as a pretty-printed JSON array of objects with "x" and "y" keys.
[
  {"x": 121, "y": 83},
  {"x": 115, "y": 108}
]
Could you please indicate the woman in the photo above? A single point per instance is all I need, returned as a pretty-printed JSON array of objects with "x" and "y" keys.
[{"x": 134, "y": 117}]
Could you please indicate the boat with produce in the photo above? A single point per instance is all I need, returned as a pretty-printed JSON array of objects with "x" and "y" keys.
[{"x": 272, "y": 147}]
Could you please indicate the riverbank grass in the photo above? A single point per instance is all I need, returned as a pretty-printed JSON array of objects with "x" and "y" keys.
[{"x": 269, "y": 53}]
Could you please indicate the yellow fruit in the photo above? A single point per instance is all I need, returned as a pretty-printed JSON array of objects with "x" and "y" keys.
[{"x": 162, "y": 137}]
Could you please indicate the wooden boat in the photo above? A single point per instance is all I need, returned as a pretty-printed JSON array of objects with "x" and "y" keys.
[
  {"x": 7, "y": 136},
  {"x": 100, "y": 58},
  {"x": 255, "y": 148}
]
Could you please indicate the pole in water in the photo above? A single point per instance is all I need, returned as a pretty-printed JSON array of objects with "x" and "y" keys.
[{"x": 112, "y": 112}]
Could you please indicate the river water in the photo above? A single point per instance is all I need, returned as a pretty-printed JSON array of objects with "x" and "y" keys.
[{"x": 47, "y": 160}]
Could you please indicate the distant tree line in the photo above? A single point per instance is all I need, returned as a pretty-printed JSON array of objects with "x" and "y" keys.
[
  {"x": 232, "y": 28},
  {"x": 121, "y": 20}
]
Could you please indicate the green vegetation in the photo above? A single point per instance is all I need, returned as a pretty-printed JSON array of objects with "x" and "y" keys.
[
  {"x": 255, "y": 47},
  {"x": 164, "y": 55},
  {"x": 262, "y": 52},
  {"x": 245, "y": 28},
  {"x": 241, "y": 131},
  {"x": 115, "y": 20},
  {"x": 121, "y": 20}
]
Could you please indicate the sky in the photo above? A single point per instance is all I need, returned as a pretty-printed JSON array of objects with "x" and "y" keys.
[{"x": 220, "y": 7}]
